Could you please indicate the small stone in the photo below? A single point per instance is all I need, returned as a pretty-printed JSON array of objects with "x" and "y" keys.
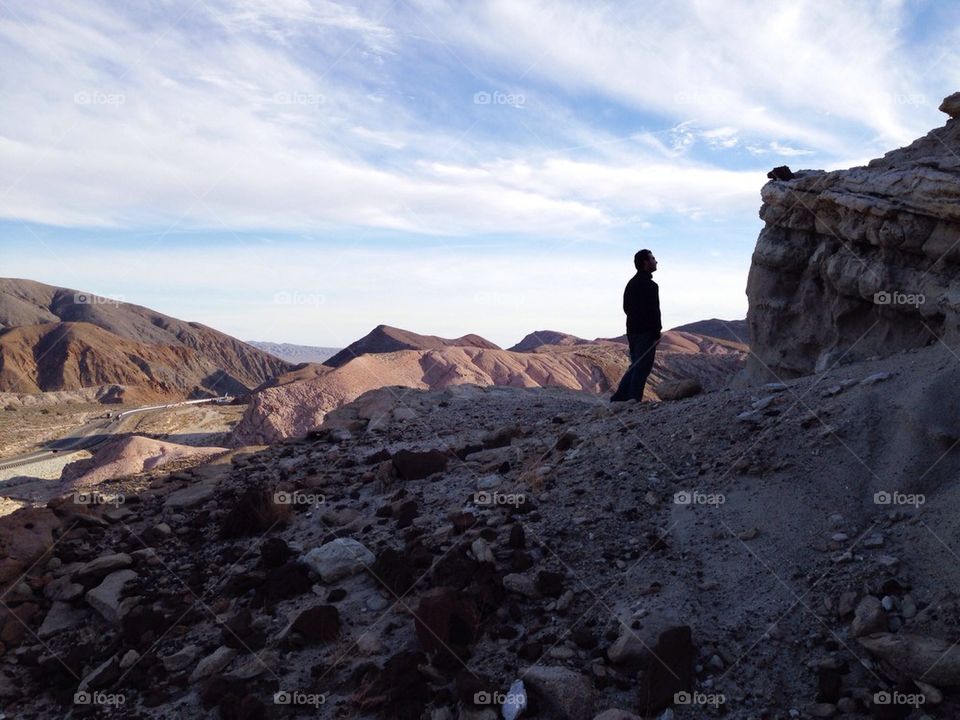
[
  {"x": 875, "y": 378},
  {"x": 565, "y": 694},
  {"x": 105, "y": 598},
  {"x": 192, "y": 495},
  {"x": 104, "y": 565},
  {"x": 522, "y": 584},
  {"x": 61, "y": 616},
  {"x": 908, "y": 606},
  {"x": 180, "y": 660},
  {"x": 213, "y": 663},
  {"x": 873, "y": 541},
  {"x": 822, "y": 710},
  {"x": 869, "y": 617},
  {"x": 129, "y": 659}
]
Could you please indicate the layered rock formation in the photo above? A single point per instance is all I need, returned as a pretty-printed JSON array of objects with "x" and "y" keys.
[
  {"x": 58, "y": 339},
  {"x": 296, "y": 402},
  {"x": 859, "y": 262}
]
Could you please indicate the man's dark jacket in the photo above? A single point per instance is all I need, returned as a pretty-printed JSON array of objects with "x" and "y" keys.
[{"x": 641, "y": 303}]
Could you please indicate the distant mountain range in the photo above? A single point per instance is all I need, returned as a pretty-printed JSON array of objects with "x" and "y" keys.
[
  {"x": 288, "y": 352},
  {"x": 298, "y": 400},
  {"x": 55, "y": 338}
]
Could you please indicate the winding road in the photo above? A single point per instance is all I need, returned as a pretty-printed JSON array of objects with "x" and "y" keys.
[{"x": 93, "y": 433}]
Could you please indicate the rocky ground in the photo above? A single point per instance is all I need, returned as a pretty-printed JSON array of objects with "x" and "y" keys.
[{"x": 781, "y": 551}]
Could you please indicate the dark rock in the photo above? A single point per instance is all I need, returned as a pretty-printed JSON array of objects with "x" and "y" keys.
[
  {"x": 393, "y": 570},
  {"x": 398, "y": 691},
  {"x": 550, "y": 583},
  {"x": 239, "y": 633},
  {"x": 446, "y": 621},
  {"x": 253, "y": 512},
  {"x": 416, "y": 465},
  {"x": 669, "y": 670},
  {"x": 780, "y": 173},
  {"x": 318, "y": 624},
  {"x": 274, "y": 552}
]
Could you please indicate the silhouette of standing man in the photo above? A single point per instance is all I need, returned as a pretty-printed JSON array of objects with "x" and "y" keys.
[{"x": 641, "y": 303}]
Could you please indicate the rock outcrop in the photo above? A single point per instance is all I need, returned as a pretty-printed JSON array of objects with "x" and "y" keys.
[{"x": 859, "y": 262}]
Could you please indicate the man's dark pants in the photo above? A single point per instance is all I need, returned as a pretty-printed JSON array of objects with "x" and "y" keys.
[{"x": 643, "y": 346}]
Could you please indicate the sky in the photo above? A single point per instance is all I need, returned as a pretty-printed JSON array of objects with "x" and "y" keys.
[{"x": 304, "y": 170}]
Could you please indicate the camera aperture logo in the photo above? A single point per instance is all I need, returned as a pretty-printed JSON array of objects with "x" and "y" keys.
[
  {"x": 297, "y": 497},
  {"x": 95, "y": 497},
  {"x": 98, "y": 697},
  {"x": 898, "y": 498},
  {"x": 698, "y": 698},
  {"x": 695, "y": 497},
  {"x": 493, "y": 499},
  {"x": 295, "y": 697},
  {"x": 897, "y": 297}
]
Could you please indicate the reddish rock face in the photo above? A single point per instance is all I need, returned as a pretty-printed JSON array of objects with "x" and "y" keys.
[{"x": 25, "y": 535}]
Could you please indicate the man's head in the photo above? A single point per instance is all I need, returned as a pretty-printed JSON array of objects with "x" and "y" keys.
[{"x": 644, "y": 261}]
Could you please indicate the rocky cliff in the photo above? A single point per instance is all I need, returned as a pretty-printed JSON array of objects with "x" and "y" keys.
[{"x": 859, "y": 262}]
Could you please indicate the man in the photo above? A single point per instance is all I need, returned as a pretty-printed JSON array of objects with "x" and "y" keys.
[{"x": 641, "y": 303}]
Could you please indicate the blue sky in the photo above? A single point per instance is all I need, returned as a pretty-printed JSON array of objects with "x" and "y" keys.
[{"x": 302, "y": 171}]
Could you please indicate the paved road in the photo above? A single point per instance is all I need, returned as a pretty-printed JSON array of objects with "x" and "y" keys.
[{"x": 91, "y": 434}]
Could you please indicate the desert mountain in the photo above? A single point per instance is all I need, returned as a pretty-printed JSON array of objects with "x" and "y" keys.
[
  {"x": 54, "y": 338},
  {"x": 735, "y": 331},
  {"x": 385, "y": 339},
  {"x": 297, "y": 401},
  {"x": 295, "y": 354}
]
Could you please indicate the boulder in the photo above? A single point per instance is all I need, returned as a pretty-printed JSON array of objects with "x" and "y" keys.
[
  {"x": 869, "y": 617},
  {"x": 105, "y": 597},
  {"x": 416, "y": 465},
  {"x": 338, "y": 559},
  {"x": 61, "y": 616},
  {"x": 213, "y": 663},
  {"x": 917, "y": 657},
  {"x": 951, "y": 105},
  {"x": 678, "y": 389},
  {"x": 565, "y": 693},
  {"x": 104, "y": 565},
  {"x": 25, "y": 535}
]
